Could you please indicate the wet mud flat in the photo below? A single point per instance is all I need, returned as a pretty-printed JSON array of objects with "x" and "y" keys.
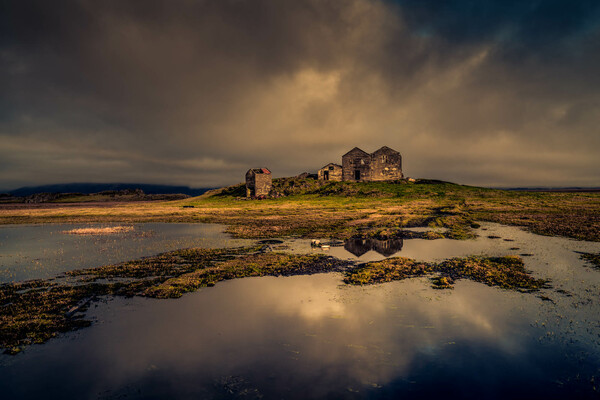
[
  {"x": 370, "y": 317},
  {"x": 309, "y": 336},
  {"x": 35, "y": 311},
  {"x": 32, "y": 312}
]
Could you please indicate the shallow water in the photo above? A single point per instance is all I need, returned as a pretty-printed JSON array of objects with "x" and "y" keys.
[
  {"x": 44, "y": 251},
  {"x": 314, "y": 337}
]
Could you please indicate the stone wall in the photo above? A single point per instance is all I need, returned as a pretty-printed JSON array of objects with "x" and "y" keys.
[
  {"x": 263, "y": 184},
  {"x": 386, "y": 165},
  {"x": 258, "y": 183}
]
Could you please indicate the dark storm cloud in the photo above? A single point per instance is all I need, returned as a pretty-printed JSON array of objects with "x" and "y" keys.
[{"x": 195, "y": 92}]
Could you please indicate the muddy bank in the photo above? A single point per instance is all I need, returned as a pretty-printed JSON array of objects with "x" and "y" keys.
[{"x": 505, "y": 272}]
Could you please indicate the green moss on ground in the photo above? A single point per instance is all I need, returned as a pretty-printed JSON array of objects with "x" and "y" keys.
[
  {"x": 505, "y": 272},
  {"x": 592, "y": 259},
  {"x": 265, "y": 264}
]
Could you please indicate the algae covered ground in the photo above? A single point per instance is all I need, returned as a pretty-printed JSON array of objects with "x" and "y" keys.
[
  {"x": 592, "y": 259},
  {"x": 505, "y": 272},
  {"x": 310, "y": 208},
  {"x": 34, "y": 311}
]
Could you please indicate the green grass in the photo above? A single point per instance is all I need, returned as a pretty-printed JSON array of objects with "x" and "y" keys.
[{"x": 342, "y": 209}]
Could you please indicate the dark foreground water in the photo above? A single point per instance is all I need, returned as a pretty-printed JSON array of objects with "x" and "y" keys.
[{"x": 314, "y": 337}]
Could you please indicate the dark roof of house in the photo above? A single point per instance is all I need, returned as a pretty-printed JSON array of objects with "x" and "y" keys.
[
  {"x": 385, "y": 149},
  {"x": 335, "y": 165},
  {"x": 354, "y": 150},
  {"x": 259, "y": 170}
]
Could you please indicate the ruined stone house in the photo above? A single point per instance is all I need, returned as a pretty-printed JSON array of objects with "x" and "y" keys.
[
  {"x": 258, "y": 182},
  {"x": 384, "y": 164},
  {"x": 331, "y": 172},
  {"x": 356, "y": 165}
]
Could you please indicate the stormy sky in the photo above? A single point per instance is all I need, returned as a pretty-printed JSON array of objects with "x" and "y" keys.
[{"x": 492, "y": 93}]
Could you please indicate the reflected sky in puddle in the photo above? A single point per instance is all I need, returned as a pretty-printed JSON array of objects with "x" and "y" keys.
[
  {"x": 308, "y": 337},
  {"x": 314, "y": 337}
]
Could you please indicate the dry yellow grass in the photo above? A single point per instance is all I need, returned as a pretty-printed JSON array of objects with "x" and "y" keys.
[
  {"x": 342, "y": 215},
  {"x": 109, "y": 230}
]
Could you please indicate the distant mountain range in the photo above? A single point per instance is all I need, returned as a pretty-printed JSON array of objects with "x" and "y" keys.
[
  {"x": 554, "y": 189},
  {"x": 87, "y": 188}
]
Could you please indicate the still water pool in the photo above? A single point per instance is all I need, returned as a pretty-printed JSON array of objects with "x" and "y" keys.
[
  {"x": 315, "y": 337},
  {"x": 44, "y": 251}
]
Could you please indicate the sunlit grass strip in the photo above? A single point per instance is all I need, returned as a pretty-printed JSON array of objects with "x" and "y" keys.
[
  {"x": 111, "y": 230},
  {"x": 343, "y": 209}
]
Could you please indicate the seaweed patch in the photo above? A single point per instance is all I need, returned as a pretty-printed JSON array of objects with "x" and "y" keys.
[
  {"x": 505, "y": 272},
  {"x": 592, "y": 259}
]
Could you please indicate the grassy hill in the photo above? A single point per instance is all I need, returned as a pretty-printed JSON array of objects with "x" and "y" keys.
[{"x": 310, "y": 208}]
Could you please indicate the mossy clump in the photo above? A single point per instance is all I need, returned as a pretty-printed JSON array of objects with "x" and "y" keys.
[
  {"x": 442, "y": 282},
  {"x": 260, "y": 264},
  {"x": 164, "y": 265},
  {"x": 592, "y": 259},
  {"x": 391, "y": 269},
  {"x": 505, "y": 272},
  {"x": 35, "y": 314}
]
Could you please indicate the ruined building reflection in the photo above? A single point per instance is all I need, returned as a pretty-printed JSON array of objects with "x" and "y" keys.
[{"x": 385, "y": 247}]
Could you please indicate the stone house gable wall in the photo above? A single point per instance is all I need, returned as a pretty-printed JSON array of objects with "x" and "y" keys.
[
  {"x": 356, "y": 165},
  {"x": 386, "y": 165}
]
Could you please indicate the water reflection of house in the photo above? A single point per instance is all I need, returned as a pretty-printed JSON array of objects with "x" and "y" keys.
[
  {"x": 357, "y": 246},
  {"x": 385, "y": 247}
]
